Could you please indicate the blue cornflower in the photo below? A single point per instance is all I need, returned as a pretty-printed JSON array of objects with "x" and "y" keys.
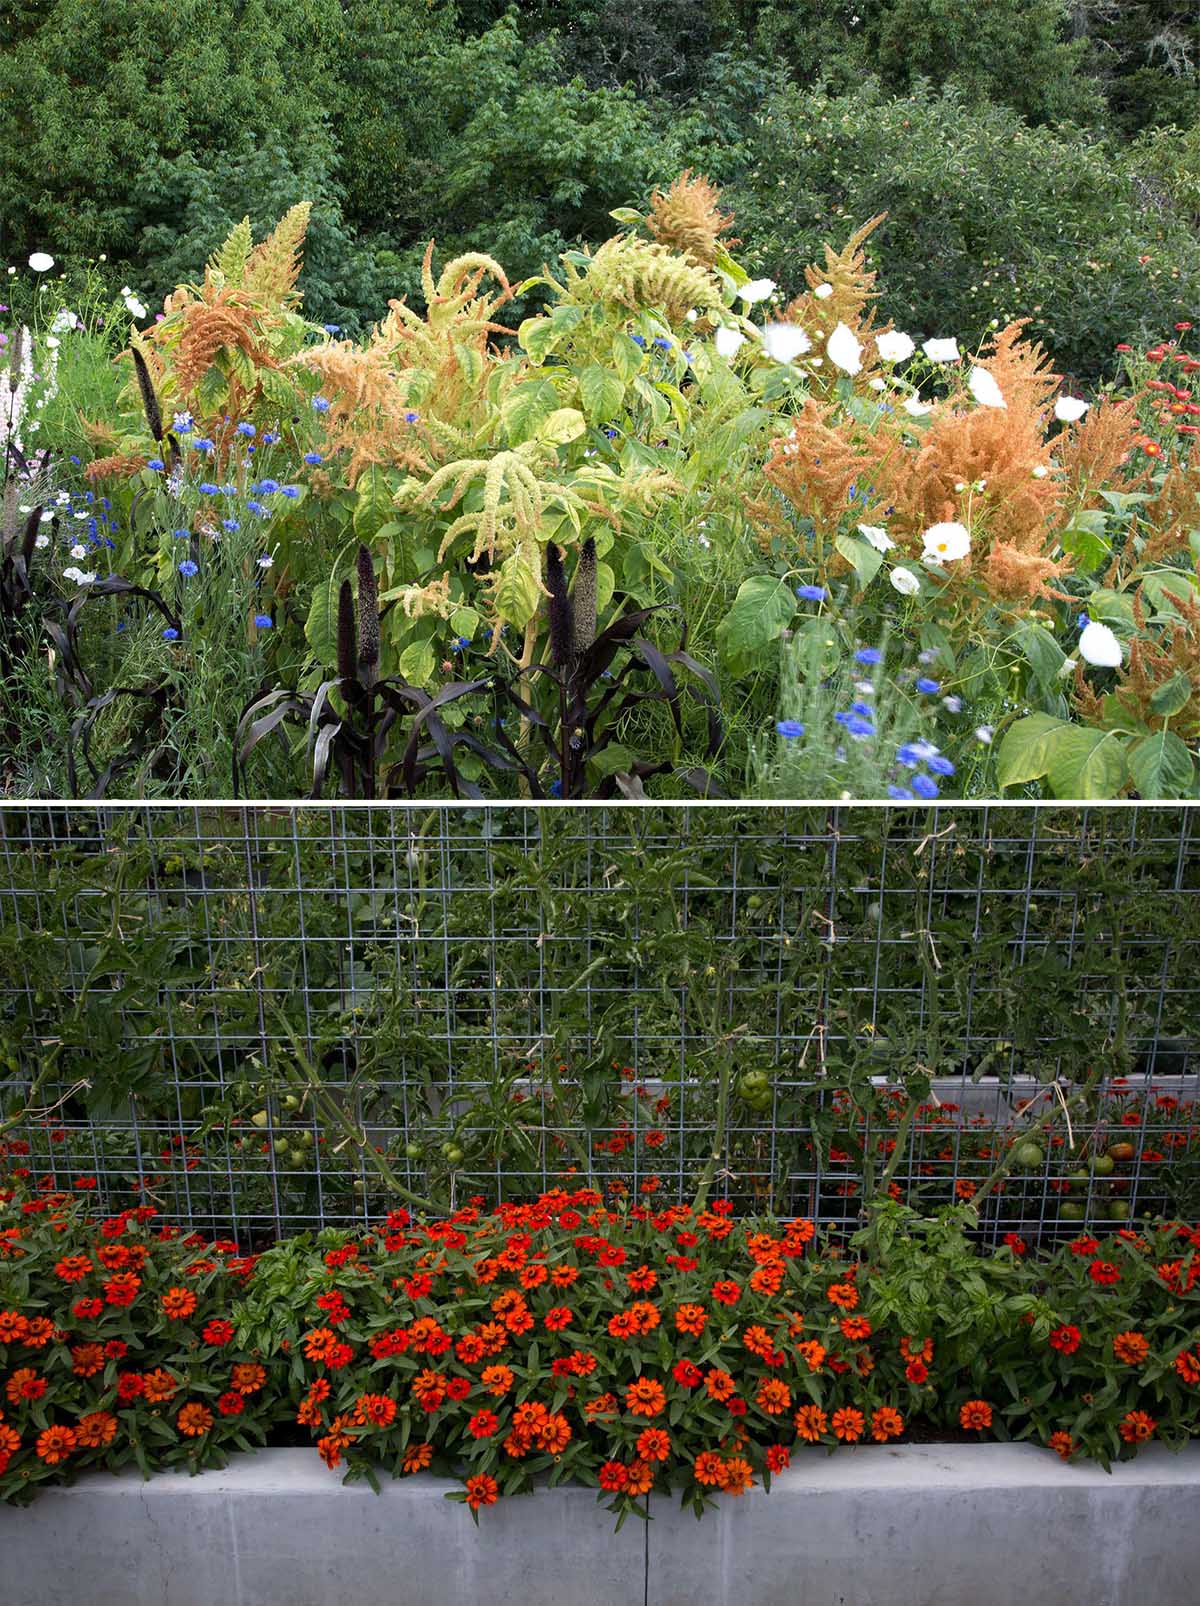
[
  {"x": 206, "y": 488},
  {"x": 184, "y": 424},
  {"x": 248, "y": 430},
  {"x": 256, "y": 507},
  {"x": 909, "y": 756},
  {"x": 75, "y": 460},
  {"x": 267, "y": 487},
  {"x": 857, "y": 726},
  {"x": 312, "y": 458},
  {"x": 230, "y": 524},
  {"x": 157, "y": 464},
  {"x": 263, "y": 621},
  {"x": 291, "y": 492},
  {"x": 924, "y": 786},
  {"x": 121, "y": 624},
  {"x": 202, "y": 444},
  {"x": 460, "y": 644},
  {"x": 863, "y": 709},
  {"x": 900, "y": 793},
  {"x": 320, "y": 404},
  {"x": 170, "y": 634},
  {"x": 663, "y": 345},
  {"x": 332, "y": 328},
  {"x": 611, "y": 433},
  {"x": 868, "y": 655},
  {"x": 928, "y": 686},
  {"x": 412, "y": 418},
  {"x": 854, "y": 493},
  {"x": 1082, "y": 621},
  {"x": 270, "y": 439},
  {"x": 812, "y": 593},
  {"x": 638, "y": 340},
  {"x": 181, "y": 535},
  {"x": 555, "y": 788},
  {"x": 229, "y": 490},
  {"x": 791, "y": 728},
  {"x": 188, "y": 568},
  {"x": 940, "y": 765}
]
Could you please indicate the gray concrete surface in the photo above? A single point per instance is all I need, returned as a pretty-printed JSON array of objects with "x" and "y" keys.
[{"x": 909, "y": 1525}]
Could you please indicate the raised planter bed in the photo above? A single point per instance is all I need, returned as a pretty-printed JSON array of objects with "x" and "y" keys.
[{"x": 906, "y": 1525}]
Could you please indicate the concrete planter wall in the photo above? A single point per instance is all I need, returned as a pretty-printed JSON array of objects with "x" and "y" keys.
[{"x": 939, "y": 1525}]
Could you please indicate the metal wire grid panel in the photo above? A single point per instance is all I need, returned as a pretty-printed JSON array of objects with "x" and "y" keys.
[{"x": 496, "y": 999}]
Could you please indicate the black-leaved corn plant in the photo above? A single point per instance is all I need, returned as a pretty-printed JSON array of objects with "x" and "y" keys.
[
  {"x": 599, "y": 681},
  {"x": 379, "y": 735}
]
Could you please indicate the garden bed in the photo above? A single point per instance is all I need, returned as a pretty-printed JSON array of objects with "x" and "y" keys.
[{"x": 907, "y": 1524}]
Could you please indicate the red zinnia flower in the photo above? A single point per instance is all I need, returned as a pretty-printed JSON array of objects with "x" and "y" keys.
[
  {"x": 1065, "y": 1339},
  {"x": 975, "y": 1416}
]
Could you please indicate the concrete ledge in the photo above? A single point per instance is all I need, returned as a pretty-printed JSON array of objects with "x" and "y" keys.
[{"x": 909, "y": 1525}]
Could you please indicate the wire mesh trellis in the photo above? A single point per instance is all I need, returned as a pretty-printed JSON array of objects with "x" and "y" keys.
[{"x": 495, "y": 999}]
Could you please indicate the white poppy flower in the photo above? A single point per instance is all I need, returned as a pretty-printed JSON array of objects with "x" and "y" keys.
[
  {"x": 878, "y": 384},
  {"x": 785, "y": 342},
  {"x": 64, "y": 320},
  {"x": 985, "y": 389},
  {"x": 1099, "y": 646},
  {"x": 942, "y": 350},
  {"x": 757, "y": 290},
  {"x": 844, "y": 350},
  {"x": 1069, "y": 409},
  {"x": 905, "y": 582},
  {"x": 41, "y": 262},
  {"x": 79, "y": 577},
  {"x": 823, "y": 291},
  {"x": 728, "y": 342},
  {"x": 917, "y": 407},
  {"x": 895, "y": 346},
  {"x": 79, "y": 550},
  {"x": 944, "y": 543},
  {"x": 877, "y": 536}
]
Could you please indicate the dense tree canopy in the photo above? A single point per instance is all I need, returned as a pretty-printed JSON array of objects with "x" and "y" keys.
[{"x": 142, "y": 128}]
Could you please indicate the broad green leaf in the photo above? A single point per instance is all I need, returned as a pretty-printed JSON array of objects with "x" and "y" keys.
[
  {"x": 464, "y": 621},
  {"x": 416, "y": 663},
  {"x": 1167, "y": 699},
  {"x": 862, "y": 555},
  {"x": 372, "y": 503},
  {"x": 320, "y": 628},
  {"x": 757, "y": 617},
  {"x": 1023, "y": 755},
  {"x": 601, "y": 392},
  {"x": 626, "y": 215},
  {"x": 606, "y": 584},
  {"x": 1043, "y": 654},
  {"x": 1165, "y": 587},
  {"x": 1162, "y": 767},
  {"x": 1090, "y": 548},
  {"x": 525, "y": 410},
  {"x": 609, "y": 760},
  {"x": 564, "y": 424},
  {"x": 1086, "y": 763},
  {"x": 1112, "y": 607},
  {"x": 627, "y": 357},
  {"x": 518, "y": 593},
  {"x": 537, "y": 337}
]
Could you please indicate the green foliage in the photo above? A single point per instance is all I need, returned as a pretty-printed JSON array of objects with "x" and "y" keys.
[{"x": 986, "y": 218}]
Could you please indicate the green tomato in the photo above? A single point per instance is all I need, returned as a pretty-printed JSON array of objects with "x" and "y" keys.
[
  {"x": 412, "y": 1151},
  {"x": 1104, "y": 1165},
  {"x": 1079, "y": 1181},
  {"x": 1071, "y": 1210},
  {"x": 455, "y": 1155},
  {"x": 1118, "y": 1210},
  {"x": 260, "y": 1119},
  {"x": 1029, "y": 1156}
]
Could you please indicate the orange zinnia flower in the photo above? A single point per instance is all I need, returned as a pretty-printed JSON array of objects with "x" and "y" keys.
[
  {"x": 248, "y": 1377},
  {"x": 843, "y": 1295},
  {"x": 159, "y": 1385},
  {"x": 194, "y": 1419},
  {"x": 554, "y": 1434},
  {"x": 377, "y": 1409},
  {"x": 497, "y": 1380},
  {"x": 718, "y": 1385},
  {"x": 1062, "y": 1444},
  {"x": 739, "y": 1476},
  {"x": 708, "y": 1469},
  {"x": 178, "y": 1303},
  {"x": 975, "y": 1416},
  {"x": 811, "y": 1422},
  {"x": 773, "y": 1396},
  {"x": 1137, "y": 1427},
  {"x": 1131, "y": 1348},
  {"x": 87, "y": 1359},
  {"x": 640, "y": 1479},
  {"x": 482, "y": 1490},
  {"x": 812, "y": 1352},
  {"x": 94, "y": 1431},
  {"x": 417, "y": 1457},
  {"x": 886, "y": 1423},
  {"x": 13, "y": 1327},
  {"x": 1187, "y": 1365},
  {"x": 645, "y": 1396},
  {"x": 55, "y": 1444},
  {"x": 848, "y": 1424},
  {"x": 691, "y": 1319},
  {"x": 653, "y": 1444},
  {"x": 855, "y": 1328},
  {"x": 24, "y": 1384}
]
